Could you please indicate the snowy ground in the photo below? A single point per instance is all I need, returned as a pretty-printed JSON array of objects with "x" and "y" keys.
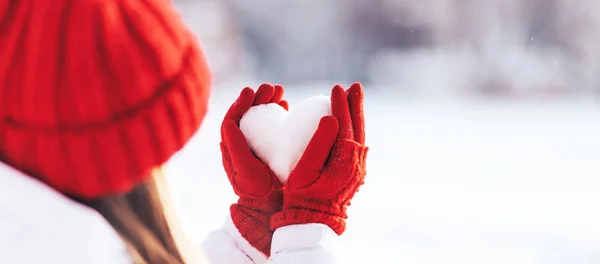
[{"x": 450, "y": 181}]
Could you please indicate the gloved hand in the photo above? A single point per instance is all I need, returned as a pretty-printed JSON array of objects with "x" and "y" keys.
[
  {"x": 331, "y": 169},
  {"x": 258, "y": 188}
]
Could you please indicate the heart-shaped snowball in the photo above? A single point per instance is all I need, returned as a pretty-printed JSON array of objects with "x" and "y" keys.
[{"x": 279, "y": 137}]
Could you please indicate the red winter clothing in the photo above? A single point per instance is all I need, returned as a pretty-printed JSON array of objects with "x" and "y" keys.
[
  {"x": 94, "y": 94},
  {"x": 258, "y": 188},
  {"x": 331, "y": 169},
  {"x": 320, "y": 187}
]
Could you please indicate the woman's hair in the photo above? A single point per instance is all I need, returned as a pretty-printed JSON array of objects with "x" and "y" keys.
[{"x": 143, "y": 221}]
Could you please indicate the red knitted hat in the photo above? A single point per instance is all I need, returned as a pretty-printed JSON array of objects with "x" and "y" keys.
[{"x": 96, "y": 93}]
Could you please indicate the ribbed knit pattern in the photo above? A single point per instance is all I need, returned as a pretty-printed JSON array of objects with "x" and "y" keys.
[
  {"x": 252, "y": 212},
  {"x": 95, "y": 93},
  {"x": 325, "y": 200},
  {"x": 253, "y": 225}
]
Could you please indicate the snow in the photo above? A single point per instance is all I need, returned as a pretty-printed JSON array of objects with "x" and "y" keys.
[
  {"x": 449, "y": 181},
  {"x": 279, "y": 137}
]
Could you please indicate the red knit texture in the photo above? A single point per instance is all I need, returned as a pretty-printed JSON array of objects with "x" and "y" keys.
[
  {"x": 325, "y": 201},
  {"x": 331, "y": 169},
  {"x": 257, "y": 187},
  {"x": 96, "y": 93},
  {"x": 253, "y": 222}
]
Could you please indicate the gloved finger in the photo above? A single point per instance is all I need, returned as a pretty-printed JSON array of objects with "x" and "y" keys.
[
  {"x": 316, "y": 153},
  {"x": 355, "y": 103},
  {"x": 278, "y": 95},
  {"x": 252, "y": 176},
  {"x": 285, "y": 105},
  {"x": 240, "y": 106},
  {"x": 341, "y": 111},
  {"x": 264, "y": 94},
  {"x": 240, "y": 154}
]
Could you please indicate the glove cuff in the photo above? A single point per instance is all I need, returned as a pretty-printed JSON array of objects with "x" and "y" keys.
[
  {"x": 270, "y": 203},
  {"x": 254, "y": 226},
  {"x": 302, "y": 216}
]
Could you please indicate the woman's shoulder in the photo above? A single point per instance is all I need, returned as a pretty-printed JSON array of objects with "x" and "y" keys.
[{"x": 40, "y": 225}]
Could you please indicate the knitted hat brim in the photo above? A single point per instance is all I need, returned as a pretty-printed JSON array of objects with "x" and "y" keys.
[{"x": 112, "y": 157}]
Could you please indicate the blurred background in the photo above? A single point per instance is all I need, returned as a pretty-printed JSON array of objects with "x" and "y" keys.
[
  {"x": 483, "y": 118},
  {"x": 539, "y": 48}
]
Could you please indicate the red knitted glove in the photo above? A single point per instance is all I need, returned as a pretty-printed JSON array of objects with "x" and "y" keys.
[
  {"x": 331, "y": 169},
  {"x": 258, "y": 188}
]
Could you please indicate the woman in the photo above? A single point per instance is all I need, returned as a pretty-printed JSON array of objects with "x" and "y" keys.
[{"x": 96, "y": 95}]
